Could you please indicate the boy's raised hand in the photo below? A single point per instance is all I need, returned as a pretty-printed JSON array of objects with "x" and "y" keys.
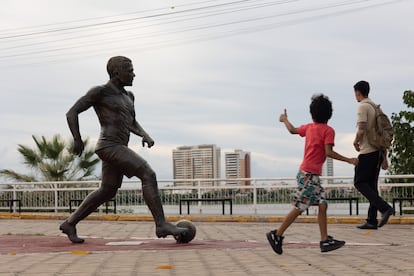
[{"x": 283, "y": 116}]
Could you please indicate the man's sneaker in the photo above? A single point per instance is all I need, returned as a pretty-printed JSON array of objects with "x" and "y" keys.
[
  {"x": 275, "y": 242},
  {"x": 331, "y": 244}
]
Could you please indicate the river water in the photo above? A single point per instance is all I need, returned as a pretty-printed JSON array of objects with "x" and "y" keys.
[{"x": 261, "y": 209}]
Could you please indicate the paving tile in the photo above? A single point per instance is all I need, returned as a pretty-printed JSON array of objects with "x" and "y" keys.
[{"x": 387, "y": 251}]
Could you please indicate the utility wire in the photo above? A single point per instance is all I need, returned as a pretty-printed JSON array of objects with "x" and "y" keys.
[
  {"x": 197, "y": 28},
  {"x": 7, "y": 31},
  {"x": 180, "y": 19},
  {"x": 98, "y": 42},
  {"x": 224, "y": 34},
  {"x": 118, "y": 21}
]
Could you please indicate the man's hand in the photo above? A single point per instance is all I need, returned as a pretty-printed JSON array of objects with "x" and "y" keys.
[
  {"x": 384, "y": 164},
  {"x": 78, "y": 147},
  {"x": 147, "y": 139},
  {"x": 359, "y": 137},
  {"x": 356, "y": 145}
]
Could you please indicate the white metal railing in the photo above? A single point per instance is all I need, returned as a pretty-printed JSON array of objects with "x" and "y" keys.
[{"x": 262, "y": 196}]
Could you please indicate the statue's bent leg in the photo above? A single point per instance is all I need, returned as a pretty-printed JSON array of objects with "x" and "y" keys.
[
  {"x": 153, "y": 201},
  {"x": 111, "y": 181}
]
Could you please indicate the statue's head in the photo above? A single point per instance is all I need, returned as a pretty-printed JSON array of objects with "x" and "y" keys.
[
  {"x": 117, "y": 64},
  {"x": 120, "y": 69}
]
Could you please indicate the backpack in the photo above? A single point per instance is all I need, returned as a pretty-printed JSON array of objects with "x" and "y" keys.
[{"x": 382, "y": 134}]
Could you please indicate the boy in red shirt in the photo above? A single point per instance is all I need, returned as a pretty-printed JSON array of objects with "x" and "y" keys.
[{"x": 319, "y": 144}]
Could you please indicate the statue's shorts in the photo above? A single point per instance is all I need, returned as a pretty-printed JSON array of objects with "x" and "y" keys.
[
  {"x": 120, "y": 158},
  {"x": 309, "y": 191}
]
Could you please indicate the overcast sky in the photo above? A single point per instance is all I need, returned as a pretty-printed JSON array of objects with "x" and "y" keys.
[{"x": 207, "y": 72}]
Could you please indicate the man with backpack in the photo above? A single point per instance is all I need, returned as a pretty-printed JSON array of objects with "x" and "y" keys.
[{"x": 373, "y": 138}]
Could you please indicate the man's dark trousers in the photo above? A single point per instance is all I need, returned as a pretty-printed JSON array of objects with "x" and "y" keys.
[{"x": 366, "y": 182}]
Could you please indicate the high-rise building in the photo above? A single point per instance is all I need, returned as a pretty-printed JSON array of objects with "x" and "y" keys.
[
  {"x": 328, "y": 170},
  {"x": 237, "y": 166},
  {"x": 192, "y": 162}
]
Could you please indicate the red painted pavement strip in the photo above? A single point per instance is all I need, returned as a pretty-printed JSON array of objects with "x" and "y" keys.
[
  {"x": 12, "y": 244},
  {"x": 23, "y": 244}
]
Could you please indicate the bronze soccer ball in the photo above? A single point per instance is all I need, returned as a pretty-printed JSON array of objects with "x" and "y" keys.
[{"x": 188, "y": 235}]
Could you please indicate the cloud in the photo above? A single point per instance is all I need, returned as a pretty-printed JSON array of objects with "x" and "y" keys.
[{"x": 227, "y": 92}]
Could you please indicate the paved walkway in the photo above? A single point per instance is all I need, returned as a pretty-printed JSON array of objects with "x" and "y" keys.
[{"x": 36, "y": 247}]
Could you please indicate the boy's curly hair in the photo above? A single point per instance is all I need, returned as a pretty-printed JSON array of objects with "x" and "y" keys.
[{"x": 321, "y": 108}]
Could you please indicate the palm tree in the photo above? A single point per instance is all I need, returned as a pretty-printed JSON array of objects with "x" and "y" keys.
[{"x": 51, "y": 160}]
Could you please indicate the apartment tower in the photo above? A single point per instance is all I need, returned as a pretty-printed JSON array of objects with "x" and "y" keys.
[
  {"x": 237, "y": 166},
  {"x": 195, "y": 162},
  {"x": 328, "y": 170}
]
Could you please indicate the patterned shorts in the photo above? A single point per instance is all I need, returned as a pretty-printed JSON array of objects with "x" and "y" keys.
[{"x": 309, "y": 191}]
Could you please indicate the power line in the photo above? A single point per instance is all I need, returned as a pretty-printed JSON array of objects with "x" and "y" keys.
[
  {"x": 98, "y": 42},
  {"x": 179, "y": 19},
  {"x": 103, "y": 17},
  {"x": 85, "y": 26},
  {"x": 145, "y": 46}
]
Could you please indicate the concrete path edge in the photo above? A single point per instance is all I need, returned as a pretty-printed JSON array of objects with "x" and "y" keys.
[{"x": 204, "y": 218}]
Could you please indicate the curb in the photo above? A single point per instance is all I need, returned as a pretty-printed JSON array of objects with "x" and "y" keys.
[{"x": 205, "y": 218}]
